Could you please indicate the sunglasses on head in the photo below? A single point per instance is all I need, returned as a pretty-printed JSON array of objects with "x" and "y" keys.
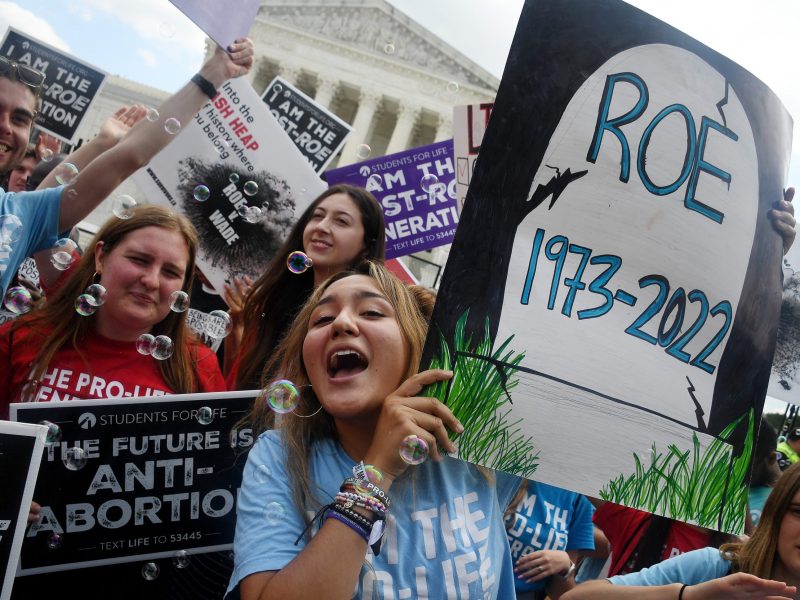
[{"x": 22, "y": 73}]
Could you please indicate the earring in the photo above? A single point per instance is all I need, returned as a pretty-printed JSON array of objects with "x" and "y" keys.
[{"x": 92, "y": 298}]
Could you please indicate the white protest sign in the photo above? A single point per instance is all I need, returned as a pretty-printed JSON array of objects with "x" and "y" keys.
[
  {"x": 614, "y": 281},
  {"x": 239, "y": 179}
]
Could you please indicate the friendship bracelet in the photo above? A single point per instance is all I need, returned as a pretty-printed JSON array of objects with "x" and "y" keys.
[
  {"x": 367, "y": 502},
  {"x": 372, "y": 490},
  {"x": 354, "y": 516},
  {"x": 354, "y": 526},
  {"x": 680, "y": 593},
  {"x": 205, "y": 85}
]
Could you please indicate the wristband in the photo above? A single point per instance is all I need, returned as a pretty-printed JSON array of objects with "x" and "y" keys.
[
  {"x": 354, "y": 526},
  {"x": 205, "y": 85},
  {"x": 680, "y": 594},
  {"x": 570, "y": 571}
]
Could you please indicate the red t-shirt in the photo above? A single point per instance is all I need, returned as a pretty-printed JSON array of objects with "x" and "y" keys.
[
  {"x": 624, "y": 527},
  {"x": 107, "y": 369}
]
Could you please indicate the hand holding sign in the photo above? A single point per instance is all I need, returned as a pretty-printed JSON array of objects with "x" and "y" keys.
[
  {"x": 783, "y": 221},
  {"x": 226, "y": 65}
]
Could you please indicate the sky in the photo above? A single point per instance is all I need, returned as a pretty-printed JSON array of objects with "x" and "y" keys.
[{"x": 151, "y": 42}]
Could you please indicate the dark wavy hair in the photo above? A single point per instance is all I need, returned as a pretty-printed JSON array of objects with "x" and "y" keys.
[{"x": 278, "y": 294}]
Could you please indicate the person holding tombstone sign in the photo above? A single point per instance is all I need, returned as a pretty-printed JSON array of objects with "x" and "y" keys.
[
  {"x": 341, "y": 227},
  {"x": 31, "y": 221},
  {"x": 431, "y": 530},
  {"x": 111, "y": 329},
  {"x": 767, "y": 566}
]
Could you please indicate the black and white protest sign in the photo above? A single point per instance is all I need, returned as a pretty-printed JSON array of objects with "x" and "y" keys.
[
  {"x": 136, "y": 479},
  {"x": 70, "y": 84},
  {"x": 317, "y": 132},
  {"x": 614, "y": 278},
  {"x": 238, "y": 178},
  {"x": 20, "y": 452}
]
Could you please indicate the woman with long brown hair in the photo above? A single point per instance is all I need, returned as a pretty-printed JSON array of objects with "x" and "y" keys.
[
  {"x": 766, "y": 566},
  {"x": 341, "y": 227},
  {"x": 70, "y": 348}
]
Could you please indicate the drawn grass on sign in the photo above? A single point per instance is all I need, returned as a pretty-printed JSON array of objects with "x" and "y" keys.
[
  {"x": 482, "y": 380},
  {"x": 691, "y": 485}
]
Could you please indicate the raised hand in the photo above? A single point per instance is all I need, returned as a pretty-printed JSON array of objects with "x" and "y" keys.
[
  {"x": 235, "y": 62},
  {"x": 46, "y": 144},
  {"x": 404, "y": 413},
  {"x": 782, "y": 218},
  {"x": 116, "y": 126}
]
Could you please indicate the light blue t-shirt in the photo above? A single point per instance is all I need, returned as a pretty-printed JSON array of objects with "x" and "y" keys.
[
  {"x": 549, "y": 518},
  {"x": 38, "y": 213},
  {"x": 756, "y": 498},
  {"x": 691, "y": 568},
  {"x": 444, "y": 536}
]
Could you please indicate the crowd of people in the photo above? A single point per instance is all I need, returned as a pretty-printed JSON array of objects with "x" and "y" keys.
[{"x": 358, "y": 516}]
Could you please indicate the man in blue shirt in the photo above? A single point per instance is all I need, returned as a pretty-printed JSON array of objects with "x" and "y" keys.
[{"x": 30, "y": 221}]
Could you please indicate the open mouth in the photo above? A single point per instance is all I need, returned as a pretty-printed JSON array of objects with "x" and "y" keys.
[
  {"x": 4, "y": 147},
  {"x": 345, "y": 363}
]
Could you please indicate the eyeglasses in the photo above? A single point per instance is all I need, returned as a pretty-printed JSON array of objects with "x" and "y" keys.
[{"x": 22, "y": 73}]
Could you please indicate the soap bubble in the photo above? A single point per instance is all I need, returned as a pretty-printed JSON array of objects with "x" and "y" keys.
[
  {"x": 65, "y": 173},
  {"x": 388, "y": 48},
  {"x": 85, "y": 305},
  {"x": 47, "y": 155},
  {"x": 98, "y": 294},
  {"x": 201, "y": 193},
  {"x": 53, "y": 433},
  {"x": 218, "y": 324},
  {"x": 10, "y": 229},
  {"x": 363, "y": 151},
  {"x": 373, "y": 476},
  {"x": 54, "y": 541},
  {"x": 261, "y": 474},
  {"x": 252, "y": 214},
  {"x": 144, "y": 344},
  {"x": 151, "y": 571},
  {"x": 162, "y": 348},
  {"x": 18, "y": 300},
  {"x": 282, "y": 396},
  {"x": 250, "y": 188},
  {"x": 427, "y": 181},
  {"x": 233, "y": 178},
  {"x": 172, "y": 126},
  {"x": 75, "y": 458},
  {"x": 63, "y": 253},
  {"x": 374, "y": 182},
  {"x": 179, "y": 301},
  {"x": 298, "y": 262},
  {"x": 413, "y": 450},
  {"x": 274, "y": 513},
  {"x": 452, "y": 87},
  {"x": 123, "y": 206},
  {"x": 152, "y": 114},
  {"x": 181, "y": 559},
  {"x": 205, "y": 415}
]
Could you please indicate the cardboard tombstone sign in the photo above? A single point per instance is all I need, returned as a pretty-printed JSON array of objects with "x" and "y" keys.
[{"x": 614, "y": 279}]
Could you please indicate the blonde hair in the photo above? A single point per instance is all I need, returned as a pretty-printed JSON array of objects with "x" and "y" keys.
[
  {"x": 757, "y": 555},
  {"x": 412, "y": 310},
  {"x": 60, "y": 327}
]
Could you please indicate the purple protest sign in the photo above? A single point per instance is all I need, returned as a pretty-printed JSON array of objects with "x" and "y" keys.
[{"x": 417, "y": 190}]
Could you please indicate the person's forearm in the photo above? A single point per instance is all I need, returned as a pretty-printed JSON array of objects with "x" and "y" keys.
[
  {"x": 80, "y": 158},
  {"x": 603, "y": 590},
  {"x": 331, "y": 562},
  {"x": 231, "y": 344}
]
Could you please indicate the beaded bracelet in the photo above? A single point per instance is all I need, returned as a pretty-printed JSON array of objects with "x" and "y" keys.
[
  {"x": 351, "y": 524},
  {"x": 353, "y": 515},
  {"x": 361, "y": 501},
  {"x": 369, "y": 489}
]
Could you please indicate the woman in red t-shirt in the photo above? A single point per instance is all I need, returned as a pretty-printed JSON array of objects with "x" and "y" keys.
[{"x": 59, "y": 352}]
